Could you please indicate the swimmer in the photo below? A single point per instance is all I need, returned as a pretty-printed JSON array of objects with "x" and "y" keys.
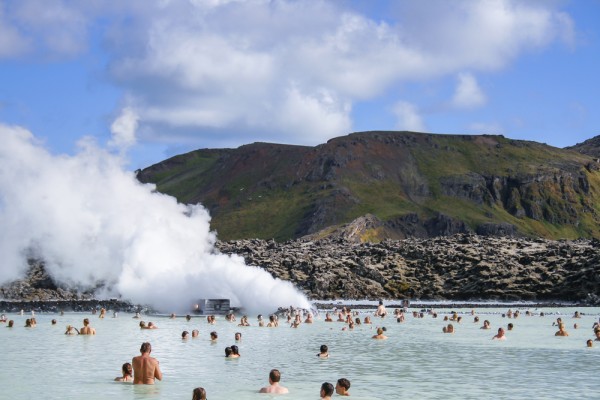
[
  {"x": 185, "y": 335},
  {"x": 228, "y": 352},
  {"x": 235, "y": 352},
  {"x": 87, "y": 329},
  {"x": 213, "y": 336},
  {"x": 309, "y": 319},
  {"x": 590, "y": 343},
  {"x": 127, "y": 371},
  {"x": 367, "y": 320},
  {"x": 357, "y": 321},
  {"x": 486, "y": 325},
  {"x": 10, "y": 324},
  {"x": 238, "y": 336},
  {"x": 53, "y": 322},
  {"x": 326, "y": 391},
  {"x": 342, "y": 386},
  {"x": 448, "y": 329},
  {"x": 500, "y": 335},
  {"x": 199, "y": 394},
  {"x": 143, "y": 325},
  {"x": 28, "y": 323},
  {"x": 328, "y": 317},
  {"x": 597, "y": 333},
  {"x": 272, "y": 322},
  {"x": 145, "y": 368},
  {"x": 260, "y": 320},
  {"x": 195, "y": 333},
  {"x": 274, "y": 387},
  {"x": 188, "y": 317},
  {"x": 244, "y": 321},
  {"x": 324, "y": 352},
  {"x": 476, "y": 319},
  {"x": 561, "y": 330},
  {"x": 151, "y": 325},
  {"x": 381, "y": 311},
  {"x": 510, "y": 326},
  {"x": 379, "y": 335},
  {"x": 576, "y": 315},
  {"x": 71, "y": 330}
]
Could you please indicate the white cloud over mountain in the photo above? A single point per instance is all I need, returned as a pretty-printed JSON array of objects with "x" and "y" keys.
[{"x": 286, "y": 71}]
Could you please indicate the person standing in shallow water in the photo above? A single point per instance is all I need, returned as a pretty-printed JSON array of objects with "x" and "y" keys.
[
  {"x": 87, "y": 329},
  {"x": 274, "y": 387},
  {"x": 145, "y": 368}
]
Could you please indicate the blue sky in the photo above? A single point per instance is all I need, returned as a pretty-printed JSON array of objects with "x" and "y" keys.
[{"x": 157, "y": 78}]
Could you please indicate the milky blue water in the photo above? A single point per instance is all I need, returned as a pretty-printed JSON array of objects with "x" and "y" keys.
[{"x": 418, "y": 361}]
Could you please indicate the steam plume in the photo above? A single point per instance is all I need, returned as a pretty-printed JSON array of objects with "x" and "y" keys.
[{"x": 92, "y": 222}]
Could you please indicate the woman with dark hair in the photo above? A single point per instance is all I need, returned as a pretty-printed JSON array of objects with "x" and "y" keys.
[
  {"x": 127, "y": 373},
  {"x": 199, "y": 394}
]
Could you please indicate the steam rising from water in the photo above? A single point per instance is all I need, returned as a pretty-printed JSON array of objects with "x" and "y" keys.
[{"x": 92, "y": 221}]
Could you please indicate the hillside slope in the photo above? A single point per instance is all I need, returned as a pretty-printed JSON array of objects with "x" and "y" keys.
[{"x": 406, "y": 183}]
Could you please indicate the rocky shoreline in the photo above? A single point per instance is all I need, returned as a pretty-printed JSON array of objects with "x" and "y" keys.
[{"x": 463, "y": 268}]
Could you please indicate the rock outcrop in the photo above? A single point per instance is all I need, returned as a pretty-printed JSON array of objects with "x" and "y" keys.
[{"x": 460, "y": 267}]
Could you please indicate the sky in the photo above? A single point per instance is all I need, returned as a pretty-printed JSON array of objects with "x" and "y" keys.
[{"x": 150, "y": 79}]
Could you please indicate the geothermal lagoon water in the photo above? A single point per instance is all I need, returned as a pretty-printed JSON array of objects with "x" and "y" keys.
[{"x": 418, "y": 361}]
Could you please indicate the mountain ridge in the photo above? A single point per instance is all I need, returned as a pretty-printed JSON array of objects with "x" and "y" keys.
[{"x": 414, "y": 184}]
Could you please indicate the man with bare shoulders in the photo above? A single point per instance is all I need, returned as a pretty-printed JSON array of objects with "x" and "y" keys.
[
  {"x": 87, "y": 329},
  {"x": 274, "y": 377},
  {"x": 145, "y": 368}
]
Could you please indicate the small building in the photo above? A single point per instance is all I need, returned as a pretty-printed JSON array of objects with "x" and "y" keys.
[{"x": 212, "y": 306}]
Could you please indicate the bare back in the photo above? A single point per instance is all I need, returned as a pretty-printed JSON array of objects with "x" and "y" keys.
[
  {"x": 145, "y": 370},
  {"x": 274, "y": 388}
]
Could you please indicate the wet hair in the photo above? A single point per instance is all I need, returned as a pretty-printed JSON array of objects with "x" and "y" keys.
[
  {"x": 379, "y": 331},
  {"x": 127, "y": 369},
  {"x": 274, "y": 375},
  {"x": 184, "y": 334},
  {"x": 86, "y": 321},
  {"x": 238, "y": 333},
  {"x": 272, "y": 318},
  {"x": 214, "y": 335},
  {"x": 228, "y": 351},
  {"x": 53, "y": 322},
  {"x": 324, "y": 348},
  {"x": 146, "y": 347},
  {"x": 235, "y": 350},
  {"x": 199, "y": 394},
  {"x": 343, "y": 382},
  {"x": 327, "y": 388}
]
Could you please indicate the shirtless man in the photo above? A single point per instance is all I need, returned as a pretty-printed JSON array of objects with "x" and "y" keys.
[
  {"x": 87, "y": 329},
  {"x": 381, "y": 311},
  {"x": 380, "y": 334},
  {"x": 145, "y": 368},
  {"x": 500, "y": 335},
  {"x": 274, "y": 377}
]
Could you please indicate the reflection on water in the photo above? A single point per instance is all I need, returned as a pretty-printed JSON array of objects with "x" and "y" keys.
[{"x": 418, "y": 361}]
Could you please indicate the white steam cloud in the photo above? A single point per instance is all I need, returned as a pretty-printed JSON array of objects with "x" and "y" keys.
[{"x": 92, "y": 222}]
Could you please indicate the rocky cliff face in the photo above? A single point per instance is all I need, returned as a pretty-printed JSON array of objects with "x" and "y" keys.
[{"x": 420, "y": 185}]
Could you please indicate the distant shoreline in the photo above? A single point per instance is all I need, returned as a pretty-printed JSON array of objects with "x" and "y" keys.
[{"x": 54, "y": 306}]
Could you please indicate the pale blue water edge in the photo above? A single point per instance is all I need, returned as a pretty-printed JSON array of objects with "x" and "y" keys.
[{"x": 418, "y": 361}]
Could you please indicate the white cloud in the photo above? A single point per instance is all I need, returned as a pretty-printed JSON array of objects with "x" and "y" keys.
[
  {"x": 233, "y": 68},
  {"x": 468, "y": 94},
  {"x": 408, "y": 117}
]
